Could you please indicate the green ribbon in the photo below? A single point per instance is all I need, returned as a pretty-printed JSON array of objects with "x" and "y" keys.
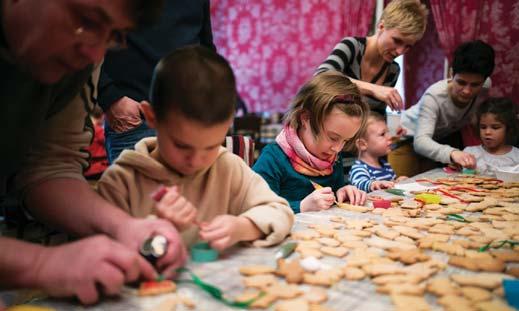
[
  {"x": 396, "y": 191},
  {"x": 456, "y": 217},
  {"x": 215, "y": 291},
  {"x": 500, "y": 245}
]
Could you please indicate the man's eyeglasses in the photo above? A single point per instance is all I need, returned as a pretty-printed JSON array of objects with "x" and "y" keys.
[{"x": 114, "y": 40}]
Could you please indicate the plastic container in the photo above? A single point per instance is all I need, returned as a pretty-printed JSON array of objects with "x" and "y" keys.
[
  {"x": 428, "y": 198},
  {"x": 507, "y": 176},
  {"x": 382, "y": 203},
  {"x": 202, "y": 252}
]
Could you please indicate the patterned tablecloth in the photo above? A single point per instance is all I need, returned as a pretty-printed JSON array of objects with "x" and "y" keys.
[{"x": 345, "y": 295}]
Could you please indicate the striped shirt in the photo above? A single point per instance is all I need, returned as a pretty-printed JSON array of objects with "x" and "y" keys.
[
  {"x": 363, "y": 175},
  {"x": 346, "y": 57}
]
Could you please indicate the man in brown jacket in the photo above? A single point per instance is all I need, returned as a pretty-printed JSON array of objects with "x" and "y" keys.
[{"x": 47, "y": 49}]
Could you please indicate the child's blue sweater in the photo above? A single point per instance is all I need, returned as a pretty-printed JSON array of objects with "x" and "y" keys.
[{"x": 273, "y": 165}]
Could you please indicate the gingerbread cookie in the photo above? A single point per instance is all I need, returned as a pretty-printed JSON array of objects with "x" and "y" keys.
[
  {"x": 476, "y": 293},
  {"x": 442, "y": 287},
  {"x": 152, "y": 288},
  {"x": 493, "y": 305},
  {"x": 402, "y": 289},
  {"x": 407, "y": 256},
  {"x": 256, "y": 269},
  {"x": 316, "y": 295},
  {"x": 284, "y": 291},
  {"x": 397, "y": 279},
  {"x": 291, "y": 270},
  {"x": 294, "y": 304},
  {"x": 334, "y": 251},
  {"x": 455, "y": 303},
  {"x": 259, "y": 281},
  {"x": 354, "y": 274},
  {"x": 329, "y": 242},
  {"x": 308, "y": 234},
  {"x": 409, "y": 303},
  {"x": 483, "y": 280},
  {"x": 490, "y": 265}
]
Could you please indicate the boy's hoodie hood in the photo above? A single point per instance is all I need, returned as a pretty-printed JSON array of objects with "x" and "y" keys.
[{"x": 141, "y": 160}]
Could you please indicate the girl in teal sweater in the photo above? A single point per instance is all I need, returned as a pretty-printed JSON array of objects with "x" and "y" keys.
[{"x": 326, "y": 113}]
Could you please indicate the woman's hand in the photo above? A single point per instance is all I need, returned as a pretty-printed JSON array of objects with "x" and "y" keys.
[
  {"x": 318, "y": 200},
  {"x": 351, "y": 193},
  {"x": 388, "y": 95},
  {"x": 464, "y": 159}
]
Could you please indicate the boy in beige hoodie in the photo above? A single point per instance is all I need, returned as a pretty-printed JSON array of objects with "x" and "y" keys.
[{"x": 211, "y": 193}]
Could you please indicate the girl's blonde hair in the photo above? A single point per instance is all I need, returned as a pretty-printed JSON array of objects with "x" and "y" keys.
[
  {"x": 319, "y": 96},
  {"x": 407, "y": 16}
]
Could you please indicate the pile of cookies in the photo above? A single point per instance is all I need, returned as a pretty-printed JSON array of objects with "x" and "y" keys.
[{"x": 449, "y": 250}]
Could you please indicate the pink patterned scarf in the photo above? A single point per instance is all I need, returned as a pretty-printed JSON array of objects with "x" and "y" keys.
[{"x": 301, "y": 159}]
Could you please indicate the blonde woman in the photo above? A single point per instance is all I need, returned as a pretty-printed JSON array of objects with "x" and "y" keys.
[
  {"x": 326, "y": 113},
  {"x": 369, "y": 61}
]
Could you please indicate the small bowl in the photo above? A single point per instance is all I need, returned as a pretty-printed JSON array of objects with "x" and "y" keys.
[{"x": 202, "y": 252}]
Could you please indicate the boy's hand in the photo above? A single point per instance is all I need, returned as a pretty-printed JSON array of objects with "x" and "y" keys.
[
  {"x": 353, "y": 194},
  {"x": 401, "y": 178},
  {"x": 176, "y": 208},
  {"x": 464, "y": 159},
  {"x": 381, "y": 184},
  {"x": 226, "y": 230},
  {"x": 318, "y": 200}
]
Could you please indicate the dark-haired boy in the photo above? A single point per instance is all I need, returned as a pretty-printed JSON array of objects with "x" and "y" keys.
[
  {"x": 212, "y": 194},
  {"x": 448, "y": 105}
]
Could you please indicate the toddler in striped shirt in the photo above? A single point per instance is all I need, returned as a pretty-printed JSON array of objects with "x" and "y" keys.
[{"x": 370, "y": 171}]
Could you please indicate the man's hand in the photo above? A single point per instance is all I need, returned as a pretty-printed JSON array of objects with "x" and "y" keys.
[
  {"x": 226, "y": 230},
  {"x": 353, "y": 194},
  {"x": 381, "y": 184},
  {"x": 135, "y": 231},
  {"x": 124, "y": 115},
  {"x": 463, "y": 159},
  {"x": 318, "y": 200},
  {"x": 389, "y": 95},
  {"x": 176, "y": 208},
  {"x": 88, "y": 268}
]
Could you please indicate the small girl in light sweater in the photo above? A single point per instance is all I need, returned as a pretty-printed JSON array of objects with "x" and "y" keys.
[{"x": 499, "y": 130}]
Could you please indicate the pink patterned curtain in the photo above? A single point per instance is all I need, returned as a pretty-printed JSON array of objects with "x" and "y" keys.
[
  {"x": 493, "y": 21},
  {"x": 274, "y": 46},
  {"x": 423, "y": 64}
]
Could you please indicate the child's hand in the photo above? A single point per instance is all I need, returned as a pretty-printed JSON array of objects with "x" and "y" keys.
[
  {"x": 318, "y": 200},
  {"x": 401, "y": 178},
  {"x": 400, "y": 131},
  {"x": 381, "y": 184},
  {"x": 226, "y": 230},
  {"x": 353, "y": 194},
  {"x": 464, "y": 159},
  {"x": 176, "y": 208}
]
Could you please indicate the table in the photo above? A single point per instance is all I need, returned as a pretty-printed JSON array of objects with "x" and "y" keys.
[{"x": 345, "y": 295}]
